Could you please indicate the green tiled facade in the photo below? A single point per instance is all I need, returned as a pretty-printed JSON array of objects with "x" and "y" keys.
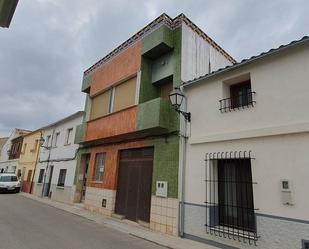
[{"x": 165, "y": 166}]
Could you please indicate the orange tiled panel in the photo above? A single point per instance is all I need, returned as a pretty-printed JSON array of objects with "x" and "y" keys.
[
  {"x": 111, "y": 163},
  {"x": 118, "y": 123},
  {"x": 124, "y": 65}
]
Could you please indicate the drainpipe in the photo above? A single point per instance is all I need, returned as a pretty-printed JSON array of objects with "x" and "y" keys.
[
  {"x": 182, "y": 166},
  {"x": 35, "y": 165},
  {"x": 47, "y": 164}
]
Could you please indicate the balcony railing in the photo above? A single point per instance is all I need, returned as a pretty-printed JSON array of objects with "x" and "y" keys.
[{"x": 240, "y": 101}]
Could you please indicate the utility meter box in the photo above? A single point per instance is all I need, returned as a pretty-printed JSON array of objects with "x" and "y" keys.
[
  {"x": 286, "y": 192},
  {"x": 161, "y": 188}
]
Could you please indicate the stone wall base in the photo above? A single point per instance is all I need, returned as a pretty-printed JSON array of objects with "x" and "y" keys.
[
  {"x": 164, "y": 215},
  {"x": 100, "y": 200}
]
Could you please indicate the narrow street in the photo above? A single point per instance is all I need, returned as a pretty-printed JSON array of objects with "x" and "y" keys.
[{"x": 27, "y": 224}]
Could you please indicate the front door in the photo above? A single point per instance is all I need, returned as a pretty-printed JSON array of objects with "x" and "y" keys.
[
  {"x": 48, "y": 184},
  {"x": 85, "y": 162},
  {"x": 133, "y": 197}
]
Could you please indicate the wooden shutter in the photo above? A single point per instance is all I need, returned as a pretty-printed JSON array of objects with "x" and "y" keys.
[
  {"x": 125, "y": 95},
  {"x": 100, "y": 105}
]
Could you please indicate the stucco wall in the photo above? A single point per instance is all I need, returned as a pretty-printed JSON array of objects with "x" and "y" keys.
[
  {"x": 280, "y": 83},
  {"x": 276, "y": 132}
]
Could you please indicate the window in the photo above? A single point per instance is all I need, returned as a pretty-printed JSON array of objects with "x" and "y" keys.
[
  {"x": 241, "y": 96},
  {"x": 100, "y": 105},
  {"x": 35, "y": 146},
  {"x": 47, "y": 140},
  {"x": 115, "y": 99},
  {"x": 8, "y": 178},
  {"x": 305, "y": 244},
  {"x": 41, "y": 175},
  {"x": 235, "y": 194},
  {"x": 56, "y": 139},
  {"x": 69, "y": 136},
  {"x": 61, "y": 178},
  {"x": 24, "y": 148},
  {"x": 229, "y": 188},
  {"x": 99, "y": 167},
  {"x": 29, "y": 176},
  {"x": 18, "y": 173},
  {"x": 124, "y": 95}
]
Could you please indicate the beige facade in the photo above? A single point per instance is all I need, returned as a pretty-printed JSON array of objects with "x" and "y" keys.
[{"x": 28, "y": 159}]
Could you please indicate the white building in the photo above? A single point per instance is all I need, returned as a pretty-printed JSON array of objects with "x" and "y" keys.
[
  {"x": 247, "y": 166},
  {"x": 57, "y": 160},
  {"x": 7, "y": 162}
]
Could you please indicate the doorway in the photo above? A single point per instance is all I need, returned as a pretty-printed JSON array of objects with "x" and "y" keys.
[
  {"x": 48, "y": 184},
  {"x": 84, "y": 173},
  {"x": 133, "y": 198}
]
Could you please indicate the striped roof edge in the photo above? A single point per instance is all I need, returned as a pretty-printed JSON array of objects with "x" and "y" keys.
[
  {"x": 248, "y": 61},
  {"x": 171, "y": 23}
]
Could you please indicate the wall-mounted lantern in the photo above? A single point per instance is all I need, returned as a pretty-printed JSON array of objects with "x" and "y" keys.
[{"x": 176, "y": 98}]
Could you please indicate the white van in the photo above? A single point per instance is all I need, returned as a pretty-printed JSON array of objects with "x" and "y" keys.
[{"x": 9, "y": 183}]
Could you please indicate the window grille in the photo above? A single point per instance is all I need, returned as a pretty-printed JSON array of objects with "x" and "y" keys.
[
  {"x": 305, "y": 244},
  {"x": 41, "y": 175},
  {"x": 61, "y": 179},
  {"x": 230, "y": 209},
  {"x": 241, "y": 96},
  {"x": 99, "y": 167}
]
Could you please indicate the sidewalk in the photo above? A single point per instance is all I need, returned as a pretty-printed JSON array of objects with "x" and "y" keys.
[{"x": 124, "y": 226}]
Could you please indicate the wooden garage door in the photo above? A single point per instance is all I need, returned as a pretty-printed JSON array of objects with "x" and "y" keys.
[{"x": 134, "y": 184}]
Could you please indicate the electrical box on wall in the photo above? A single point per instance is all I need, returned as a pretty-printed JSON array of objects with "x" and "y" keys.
[
  {"x": 161, "y": 188},
  {"x": 286, "y": 192}
]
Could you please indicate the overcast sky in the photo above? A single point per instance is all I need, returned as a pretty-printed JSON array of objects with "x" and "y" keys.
[{"x": 51, "y": 42}]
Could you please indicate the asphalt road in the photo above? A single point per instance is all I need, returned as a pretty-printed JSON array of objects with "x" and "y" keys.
[{"x": 27, "y": 224}]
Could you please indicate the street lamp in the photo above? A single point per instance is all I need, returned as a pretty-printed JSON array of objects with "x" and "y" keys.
[
  {"x": 179, "y": 101},
  {"x": 176, "y": 98}
]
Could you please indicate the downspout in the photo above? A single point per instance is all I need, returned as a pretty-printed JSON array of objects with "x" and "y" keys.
[
  {"x": 182, "y": 166},
  {"x": 35, "y": 165},
  {"x": 47, "y": 164}
]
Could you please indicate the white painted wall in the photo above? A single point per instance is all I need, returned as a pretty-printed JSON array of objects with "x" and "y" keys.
[
  {"x": 276, "y": 130},
  {"x": 61, "y": 151},
  {"x": 197, "y": 55}
]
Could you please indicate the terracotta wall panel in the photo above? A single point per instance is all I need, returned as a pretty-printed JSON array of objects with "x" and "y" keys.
[
  {"x": 111, "y": 163},
  {"x": 118, "y": 123},
  {"x": 124, "y": 65}
]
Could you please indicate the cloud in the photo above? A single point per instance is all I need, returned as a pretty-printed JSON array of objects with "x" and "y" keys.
[{"x": 51, "y": 42}]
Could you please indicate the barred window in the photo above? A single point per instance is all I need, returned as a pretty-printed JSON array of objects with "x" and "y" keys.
[
  {"x": 41, "y": 174},
  {"x": 61, "y": 179},
  {"x": 229, "y": 196},
  {"x": 99, "y": 167}
]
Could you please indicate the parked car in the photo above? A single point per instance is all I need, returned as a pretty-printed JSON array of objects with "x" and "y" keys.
[{"x": 9, "y": 183}]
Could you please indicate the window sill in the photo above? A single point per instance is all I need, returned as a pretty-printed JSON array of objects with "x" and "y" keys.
[
  {"x": 96, "y": 181},
  {"x": 60, "y": 187},
  {"x": 39, "y": 183}
]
